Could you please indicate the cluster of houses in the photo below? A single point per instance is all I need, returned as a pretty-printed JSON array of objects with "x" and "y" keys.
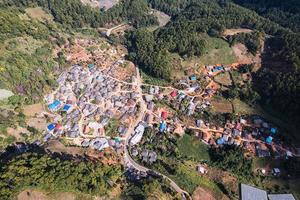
[
  {"x": 86, "y": 101},
  {"x": 146, "y": 156},
  {"x": 254, "y": 134}
]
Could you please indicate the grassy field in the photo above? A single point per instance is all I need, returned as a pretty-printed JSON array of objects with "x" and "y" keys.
[
  {"x": 188, "y": 178},
  {"x": 192, "y": 147},
  {"x": 32, "y": 194},
  {"x": 217, "y": 51},
  {"x": 221, "y": 105}
]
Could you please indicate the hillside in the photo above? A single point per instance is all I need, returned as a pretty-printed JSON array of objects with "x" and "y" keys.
[{"x": 148, "y": 99}]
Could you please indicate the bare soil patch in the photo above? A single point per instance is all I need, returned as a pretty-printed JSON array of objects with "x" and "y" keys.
[
  {"x": 38, "y": 13},
  {"x": 201, "y": 194},
  {"x": 241, "y": 52},
  {"x": 38, "y": 123},
  {"x": 17, "y": 133},
  {"x": 223, "y": 79},
  {"x": 162, "y": 17},
  {"x": 32, "y": 195},
  {"x": 57, "y": 146},
  {"x": 33, "y": 110},
  {"x": 235, "y": 31},
  {"x": 106, "y": 4}
]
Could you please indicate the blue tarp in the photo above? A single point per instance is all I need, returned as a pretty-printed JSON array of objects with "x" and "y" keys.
[
  {"x": 54, "y": 105},
  {"x": 66, "y": 107},
  {"x": 50, "y": 127},
  {"x": 91, "y": 65},
  {"x": 220, "y": 141},
  {"x": 218, "y": 68},
  {"x": 162, "y": 126},
  {"x": 269, "y": 139},
  {"x": 273, "y": 130},
  {"x": 193, "y": 78}
]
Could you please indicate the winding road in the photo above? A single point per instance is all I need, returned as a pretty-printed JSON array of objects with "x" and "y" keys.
[{"x": 127, "y": 159}]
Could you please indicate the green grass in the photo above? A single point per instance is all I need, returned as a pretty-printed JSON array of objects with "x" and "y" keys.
[
  {"x": 192, "y": 147},
  {"x": 112, "y": 128},
  {"x": 217, "y": 51},
  {"x": 188, "y": 178}
]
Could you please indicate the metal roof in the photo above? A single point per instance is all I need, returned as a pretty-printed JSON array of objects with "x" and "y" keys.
[
  {"x": 281, "y": 197},
  {"x": 251, "y": 193}
]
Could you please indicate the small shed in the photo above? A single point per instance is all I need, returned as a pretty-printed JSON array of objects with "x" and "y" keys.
[
  {"x": 51, "y": 127},
  {"x": 164, "y": 114}
]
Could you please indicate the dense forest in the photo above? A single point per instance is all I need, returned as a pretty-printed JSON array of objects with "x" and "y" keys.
[
  {"x": 285, "y": 13},
  {"x": 51, "y": 173},
  {"x": 73, "y": 13}
]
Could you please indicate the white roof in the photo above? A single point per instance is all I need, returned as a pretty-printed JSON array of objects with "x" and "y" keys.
[
  {"x": 136, "y": 138},
  {"x": 276, "y": 170},
  {"x": 281, "y": 197}
]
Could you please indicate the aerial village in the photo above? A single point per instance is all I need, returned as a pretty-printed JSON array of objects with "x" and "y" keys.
[{"x": 101, "y": 104}]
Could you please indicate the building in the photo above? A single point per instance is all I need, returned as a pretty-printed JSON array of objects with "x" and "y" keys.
[
  {"x": 164, "y": 114},
  {"x": 281, "y": 197},
  {"x": 252, "y": 193},
  {"x": 55, "y": 105},
  {"x": 162, "y": 126},
  {"x": 51, "y": 127},
  {"x": 173, "y": 93},
  {"x": 138, "y": 134},
  {"x": 193, "y": 78}
]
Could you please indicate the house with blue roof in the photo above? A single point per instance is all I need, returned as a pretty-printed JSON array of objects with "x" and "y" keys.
[
  {"x": 162, "y": 126},
  {"x": 55, "y": 105},
  {"x": 193, "y": 78},
  {"x": 220, "y": 141},
  {"x": 273, "y": 131},
  {"x": 51, "y": 127},
  {"x": 269, "y": 139},
  {"x": 66, "y": 107},
  {"x": 91, "y": 66}
]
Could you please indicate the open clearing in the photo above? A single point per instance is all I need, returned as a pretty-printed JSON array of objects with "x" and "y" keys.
[
  {"x": 218, "y": 51},
  {"x": 188, "y": 178},
  {"x": 201, "y": 194},
  {"x": 235, "y": 31},
  {"x": 34, "y": 194},
  {"x": 241, "y": 52},
  {"x": 223, "y": 79},
  {"x": 162, "y": 17},
  {"x": 106, "y": 4},
  {"x": 26, "y": 44},
  {"x": 34, "y": 109},
  {"x": 56, "y": 146},
  {"x": 222, "y": 105},
  {"x": 38, "y": 13},
  {"x": 192, "y": 147},
  {"x": 4, "y": 94}
]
